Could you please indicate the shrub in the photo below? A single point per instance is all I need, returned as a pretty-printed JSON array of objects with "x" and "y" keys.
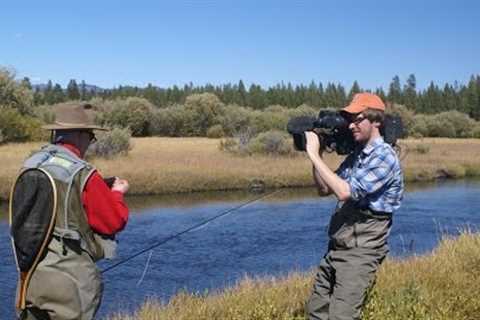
[
  {"x": 14, "y": 95},
  {"x": 235, "y": 119},
  {"x": 302, "y": 110},
  {"x": 110, "y": 144},
  {"x": 273, "y": 118},
  {"x": 16, "y": 127},
  {"x": 272, "y": 142},
  {"x": 406, "y": 115},
  {"x": 203, "y": 111},
  {"x": 133, "y": 113},
  {"x": 422, "y": 148},
  {"x": 440, "y": 127},
  {"x": 419, "y": 127},
  {"x": 461, "y": 123},
  {"x": 476, "y": 131},
  {"x": 170, "y": 122},
  {"x": 238, "y": 144},
  {"x": 215, "y": 131},
  {"x": 45, "y": 113}
]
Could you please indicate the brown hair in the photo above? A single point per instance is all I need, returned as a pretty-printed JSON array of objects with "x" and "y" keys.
[{"x": 374, "y": 115}]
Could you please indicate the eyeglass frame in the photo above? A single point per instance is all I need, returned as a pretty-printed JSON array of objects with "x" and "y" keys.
[
  {"x": 92, "y": 138},
  {"x": 357, "y": 120}
]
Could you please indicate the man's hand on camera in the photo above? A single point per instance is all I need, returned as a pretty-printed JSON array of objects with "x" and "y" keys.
[
  {"x": 313, "y": 146},
  {"x": 120, "y": 185}
]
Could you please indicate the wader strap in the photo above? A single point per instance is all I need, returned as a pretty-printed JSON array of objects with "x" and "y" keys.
[{"x": 379, "y": 215}]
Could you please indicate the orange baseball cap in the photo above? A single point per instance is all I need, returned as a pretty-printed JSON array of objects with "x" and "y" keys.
[{"x": 363, "y": 101}]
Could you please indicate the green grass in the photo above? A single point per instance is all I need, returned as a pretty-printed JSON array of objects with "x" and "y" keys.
[{"x": 439, "y": 286}]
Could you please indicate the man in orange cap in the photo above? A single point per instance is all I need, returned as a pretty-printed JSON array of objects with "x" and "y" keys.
[
  {"x": 369, "y": 188},
  {"x": 64, "y": 283}
]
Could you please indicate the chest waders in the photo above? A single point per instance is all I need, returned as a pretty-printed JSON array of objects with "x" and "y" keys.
[
  {"x": 351, "y": 227},
  {"x": 46, "y": 214},
  {"x": 357, "y": 247}
]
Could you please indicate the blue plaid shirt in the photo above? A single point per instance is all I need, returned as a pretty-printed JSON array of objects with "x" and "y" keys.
[{"x": 375, "y": 177}]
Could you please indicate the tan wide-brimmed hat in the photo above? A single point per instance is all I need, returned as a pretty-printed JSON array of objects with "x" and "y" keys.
[{"x": 72, "y": 116}]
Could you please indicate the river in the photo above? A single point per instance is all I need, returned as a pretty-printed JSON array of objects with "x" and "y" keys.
[{"x": 273, "y": 236}]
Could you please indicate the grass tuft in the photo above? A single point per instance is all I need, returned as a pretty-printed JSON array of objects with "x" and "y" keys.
[{"x": 442, "y": 285}]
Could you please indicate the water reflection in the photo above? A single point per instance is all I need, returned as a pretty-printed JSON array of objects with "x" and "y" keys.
[{"x": 141, "y": 204}]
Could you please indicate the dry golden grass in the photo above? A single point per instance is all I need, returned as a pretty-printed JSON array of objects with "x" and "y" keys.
[
  {"x": 442, "y": 285},
  {"x": 169, "y": 165}
]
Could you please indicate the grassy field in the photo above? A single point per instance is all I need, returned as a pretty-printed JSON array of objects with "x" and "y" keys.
[
  {"x": 444, "y": 285},
  {"x": 171, "y": 165}
]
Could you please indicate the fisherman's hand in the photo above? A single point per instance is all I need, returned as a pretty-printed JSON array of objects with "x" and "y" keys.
[
  {"x": 313, "y": 146},
  {"x": 120, "y": 185}
]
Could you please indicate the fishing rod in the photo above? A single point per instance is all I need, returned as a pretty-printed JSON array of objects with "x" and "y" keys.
[{"x": 177, "y": 235}]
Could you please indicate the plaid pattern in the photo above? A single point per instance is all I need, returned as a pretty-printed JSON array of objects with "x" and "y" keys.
[{"x": 375, "y": 177}]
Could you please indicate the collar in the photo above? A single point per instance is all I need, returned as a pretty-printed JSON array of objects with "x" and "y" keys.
[
  {"x": 372, "y": 145},
  {"x": 70, "y": 147}
]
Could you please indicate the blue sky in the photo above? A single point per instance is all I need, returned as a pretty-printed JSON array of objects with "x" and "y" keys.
[{"x": 111, "y": 43}]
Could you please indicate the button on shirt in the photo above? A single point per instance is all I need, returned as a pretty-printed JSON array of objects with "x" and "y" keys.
[{"x": 375, "y": 177}]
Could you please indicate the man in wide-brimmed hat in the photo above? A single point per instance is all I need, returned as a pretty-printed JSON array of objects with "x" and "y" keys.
[
  {"x": 66, "y": 283},
  {"x": 369, "y": 187}
]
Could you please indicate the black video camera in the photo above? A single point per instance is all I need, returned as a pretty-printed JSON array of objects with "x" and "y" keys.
[{"x": 332, "y": 126}]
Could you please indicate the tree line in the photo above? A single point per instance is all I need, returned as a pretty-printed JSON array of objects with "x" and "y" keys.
[{"x": 464, "y": 98}]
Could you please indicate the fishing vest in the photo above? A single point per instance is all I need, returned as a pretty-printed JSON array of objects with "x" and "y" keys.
[{"x": 70, "y": 174}]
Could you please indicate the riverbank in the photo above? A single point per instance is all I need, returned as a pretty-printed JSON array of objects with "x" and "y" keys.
[
  {"x": 176, "y": 165},
  {"x": 442, "y": 285}
]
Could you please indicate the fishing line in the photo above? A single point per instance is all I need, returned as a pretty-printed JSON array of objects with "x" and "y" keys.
[{"x": 177, "y": 235}]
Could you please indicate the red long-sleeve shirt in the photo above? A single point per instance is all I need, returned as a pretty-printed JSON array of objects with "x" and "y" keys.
[{"x": 107, "y": 212}]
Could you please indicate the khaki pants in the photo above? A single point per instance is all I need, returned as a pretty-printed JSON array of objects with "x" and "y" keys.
[
  {"x": 66, "y": 285},
  {"x": 341, "y": 283}
]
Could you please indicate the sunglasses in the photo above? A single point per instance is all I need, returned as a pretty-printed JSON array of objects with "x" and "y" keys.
[
  {"x": 358, "y": 119},
  {"x": 92, "y": 137}
]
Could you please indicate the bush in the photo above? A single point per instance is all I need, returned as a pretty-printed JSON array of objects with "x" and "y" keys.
[
  {"x": 461, "y": 123},
  {"x": 440, "y": 127},
  {"x": 14, "y": 95},
  {"x": 422, "y": 148},
  {"x": 17, "y": 128},
  {"x": 419, "y": 126},
  {"x": 272, "y": 142},
  {"x": 171, "y": 122},
  {"x": 111, "y": 143},
  {"x": 273, "y": 118},
  {"x": 302, "y": 110},
  {"x": 133, "y": 113},
  {"x": 204, "y": 111},
  {"x": 476, "y": 131},
  {"x": 239, "y": 144},
  {"x": 45, "y": 113},
  {"x": 235, "y": 119},
  {"x": 406, "y": 115},
  {"x": 215, "y": 131}
]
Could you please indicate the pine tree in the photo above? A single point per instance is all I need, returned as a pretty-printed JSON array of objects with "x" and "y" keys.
[
  {"x": 57, "y": 94},
  {"x": 242, "y": 94},
  {"x": 48, "y": 93},
  {"x": 410, "y": 92},
  {"x": 26, "y": 83},
  {"x": 354, "y": 90},
  {"x": 83, "y": 91},
  {"x": 72, "y": 90},
  {"x": 395, "y": 91}
]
